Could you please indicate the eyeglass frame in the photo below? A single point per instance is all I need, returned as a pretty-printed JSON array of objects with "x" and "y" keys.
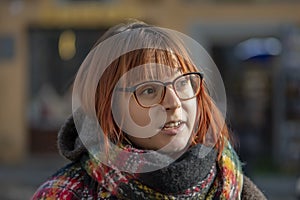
[{"x": 165, "y": 84}]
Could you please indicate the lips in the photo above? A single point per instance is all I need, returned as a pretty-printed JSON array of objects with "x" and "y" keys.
[{"x": 173, "y": 127}]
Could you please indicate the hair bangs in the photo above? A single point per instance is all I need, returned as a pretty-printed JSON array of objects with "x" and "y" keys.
[{"x": 151, "y": 64}]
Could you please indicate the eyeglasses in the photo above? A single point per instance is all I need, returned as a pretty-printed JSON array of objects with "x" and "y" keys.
[{"x": 152, "y": 93}]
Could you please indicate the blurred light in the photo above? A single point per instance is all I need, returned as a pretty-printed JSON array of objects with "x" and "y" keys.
[
  {"x": 256, "y": 47},
  {"x": 273, "y": 46},
  {"x": 67, "y": 45}
]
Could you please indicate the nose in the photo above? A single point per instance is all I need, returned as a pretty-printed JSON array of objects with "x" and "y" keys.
[{"x": 171, "y": 100}]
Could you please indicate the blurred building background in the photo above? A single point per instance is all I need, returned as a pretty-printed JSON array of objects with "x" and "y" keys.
[{"x": 255, "y": 44}]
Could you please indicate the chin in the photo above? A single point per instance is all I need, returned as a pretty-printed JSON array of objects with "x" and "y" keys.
[{"x": 174, "y": 147}]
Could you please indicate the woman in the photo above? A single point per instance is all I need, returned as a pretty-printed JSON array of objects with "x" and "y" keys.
[{"x": 147, "y": 124}]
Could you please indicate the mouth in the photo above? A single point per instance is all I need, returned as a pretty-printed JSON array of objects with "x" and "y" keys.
[{"x": 173, "y": 127}]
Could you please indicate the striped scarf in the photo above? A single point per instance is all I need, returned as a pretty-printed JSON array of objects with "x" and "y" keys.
[{"x": 187, "y": 179}]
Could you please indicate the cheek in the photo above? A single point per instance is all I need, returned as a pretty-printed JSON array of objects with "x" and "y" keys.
[
  {"x": 190, "y": 108},
  {"x": 138, "y": 114}
]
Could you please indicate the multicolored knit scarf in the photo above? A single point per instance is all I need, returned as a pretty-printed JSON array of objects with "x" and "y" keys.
[{"x": 189, "y": 177}]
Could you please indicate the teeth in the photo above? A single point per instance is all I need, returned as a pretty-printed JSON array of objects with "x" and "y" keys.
[{"x": 172, "y": 125}]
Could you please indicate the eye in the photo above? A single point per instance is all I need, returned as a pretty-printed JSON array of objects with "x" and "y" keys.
[
  {"x": 148, "y": 91},
  {"x": 182, "y": 83}
]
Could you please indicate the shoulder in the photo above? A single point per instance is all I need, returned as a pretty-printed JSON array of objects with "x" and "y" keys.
[
  {"x": 70, "y": 182},
  {"x": 251, "y": 191}
]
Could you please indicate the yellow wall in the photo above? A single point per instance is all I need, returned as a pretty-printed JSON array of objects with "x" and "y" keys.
[{"x": 45, "y": 13}]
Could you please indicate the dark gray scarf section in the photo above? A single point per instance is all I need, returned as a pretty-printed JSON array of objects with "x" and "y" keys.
[{"x": 184, "y": 173}]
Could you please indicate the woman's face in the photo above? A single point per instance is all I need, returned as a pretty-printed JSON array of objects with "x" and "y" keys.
[{"x": 166, "y": 126}]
